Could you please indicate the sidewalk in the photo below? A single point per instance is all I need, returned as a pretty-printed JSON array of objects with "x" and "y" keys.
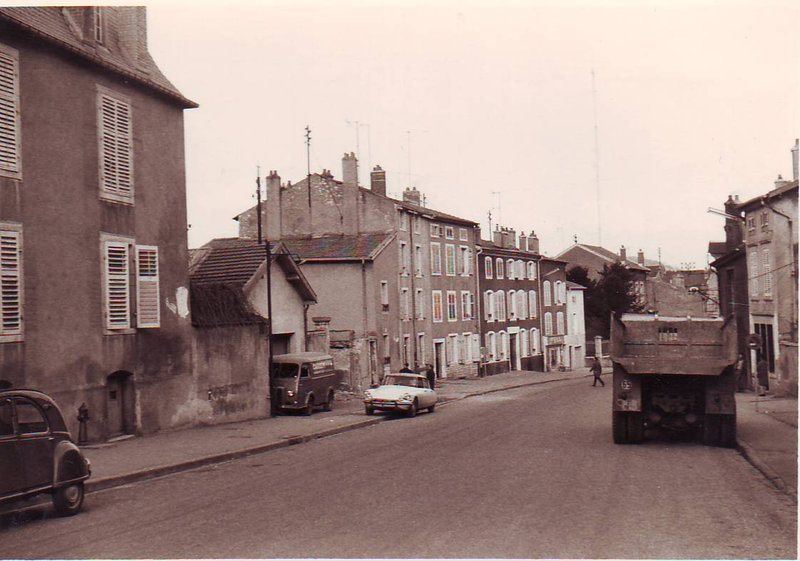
[{"x": 767, "y": 431}]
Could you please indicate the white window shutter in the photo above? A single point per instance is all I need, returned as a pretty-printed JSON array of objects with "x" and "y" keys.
[
  {"x": 148, "y": 309},
  {"x": 9, "y": 114},
  {"x": 116, "y": 147},
  {"x": 10, "y": 283},
  {"x": 117, "y": 289}
]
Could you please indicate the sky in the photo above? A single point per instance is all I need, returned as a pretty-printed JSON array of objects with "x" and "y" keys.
[{"x": 613, "y": 122}]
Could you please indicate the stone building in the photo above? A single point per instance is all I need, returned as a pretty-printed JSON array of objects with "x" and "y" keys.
[{"x": 93, "y": 218}]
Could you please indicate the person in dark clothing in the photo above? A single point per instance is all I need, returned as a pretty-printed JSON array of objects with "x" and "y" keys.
[
  {"x": 762, "y": 371},
  {"x": 430, "y": 374},
  {"x": 597, "y": 370},
  {"x": 406, "y": 369}
]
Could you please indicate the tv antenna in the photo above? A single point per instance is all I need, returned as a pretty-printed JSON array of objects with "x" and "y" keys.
[
  {"x": 596, "y": 162},
  {"x": 358, "y": 125}
]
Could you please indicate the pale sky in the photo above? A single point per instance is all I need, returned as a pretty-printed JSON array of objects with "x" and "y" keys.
[{"x": 695, "y": 100}]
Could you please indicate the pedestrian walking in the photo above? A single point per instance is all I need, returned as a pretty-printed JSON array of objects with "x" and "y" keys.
[
  {"x": 762, "y": 377},
  {"x": 406, "y": 369},
  {"x": 430, "y": 373},
  {"x": 597, "y": 370}
]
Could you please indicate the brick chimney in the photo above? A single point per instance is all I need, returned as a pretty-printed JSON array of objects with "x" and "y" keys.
[
  {"x": 734, "y": 234},
  {"x": 509, "y": 238},
  {"x": 780, "y": 182},
  {"x": 378, "y": 181},
  {"x": 133, "y": 32},
  {"x": 622, "y": 253},
  {"x": 533, "y": 242},
  {"x": 349, "y": 194},
  {"x": 272, "y": 225},
  {"x": 497, "y": 237},
  {"x": 640, "y": 257},
  {"x": 523, "y": 244},
  {"x": 411, "y": 195}
]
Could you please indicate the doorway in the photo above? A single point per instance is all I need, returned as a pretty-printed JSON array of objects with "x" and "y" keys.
[
  {"x": 439, "y": 358},
  {"x": 120, "y": 400}
]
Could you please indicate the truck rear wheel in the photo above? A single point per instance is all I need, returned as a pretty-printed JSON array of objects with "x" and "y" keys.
[
  {"x": 727, "y": 432},
  {"x": 627, "y": 427}
]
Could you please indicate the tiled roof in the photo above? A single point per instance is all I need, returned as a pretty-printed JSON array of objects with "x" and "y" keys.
[
  {"x": 339, "y": 248},
  {"x": 435, "y": 214},
  {"x": 775, "y": 193},
  {"x": 608, "y": 256},
  {"x": 231, "y": 261},
  {"x": 717, "y": 248},
  {"x": 59, "y": 26}
]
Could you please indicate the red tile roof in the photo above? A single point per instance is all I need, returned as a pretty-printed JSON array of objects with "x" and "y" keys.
[
  {"x": 231, "y": 261},
  {"x": 339, "y": 248}
]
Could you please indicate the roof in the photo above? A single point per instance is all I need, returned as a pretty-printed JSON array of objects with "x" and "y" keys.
[
  {"x": 778, "y": 192},
  {"x": 605, "y": 254},
  {"x": 434, "y": 214},
  {"x": 228, "y": 261},
  {"x": 575, "y": 286},
  {"x": 339, "y": 248},
  {"x": 492, "y": 246},
  {"x": 717, "y": 248},
  {"x": 62, "y": 27}
]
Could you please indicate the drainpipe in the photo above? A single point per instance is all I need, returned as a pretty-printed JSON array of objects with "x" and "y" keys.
[
  {"x": 413, "y": 295},
  {"x": 540, "y": 314},
  {"x": 305, "y": 326},
  {"x": 478, "y": 306}
]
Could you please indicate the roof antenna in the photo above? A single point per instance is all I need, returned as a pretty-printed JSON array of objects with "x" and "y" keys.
[
  {"x": 308, "y": 163},
  {"x": 596, "y": 163}
]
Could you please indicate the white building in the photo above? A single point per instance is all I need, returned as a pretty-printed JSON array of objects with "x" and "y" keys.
[{"x": 575, "y": 339}]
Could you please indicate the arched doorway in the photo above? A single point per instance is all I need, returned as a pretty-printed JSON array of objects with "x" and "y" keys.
[{"x": 120, "y": 404}]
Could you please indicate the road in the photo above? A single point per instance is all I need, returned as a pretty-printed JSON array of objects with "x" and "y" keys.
[{"x": 527, "y": 473}]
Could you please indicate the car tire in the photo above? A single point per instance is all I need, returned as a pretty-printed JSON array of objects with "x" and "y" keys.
[
  {"x": 369, "y": 410},
  {"x": 68, "y": 500},
  {"x": 412, "y": 411},
  {"x": 329, "y": 404},
  {"x": 309, "y": 410},
  {"x": 431, "y": 408}
]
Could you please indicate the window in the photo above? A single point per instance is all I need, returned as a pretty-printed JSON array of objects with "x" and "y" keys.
[
  {"x": 510, "y": 269},
  {"x": 6, "y": 421},
  {"x": 418, "y": 260},
  {"x": 416, "y": 220},
  {"x": 466, "y": 348},
  {"x": 546, "y": 293},
  {"x": 487, "y": 267},
  {"x": 435, "y": 231},
  {"x": 117, "y": 284},
  {"x": 386, "y": 347},
  {"x": 534, "y": 341},
  {"x": 466, "y": 261},
  {"x": 450, "y": 260},
  {"x": 524, "y": 346},
  {"x": 463, "y": 234},
  {"x": 499, "y": 268},
  {"x": 754, "y": 273},
  {"x": 404, "y": 257},
  {"x": 466, "y": 305},
  {"x": 548, "y": 323},
  {"x": 500, "y": 305},
  {"x": 403, "y": 221},
  {"x": 148, "y": 310},
  {"x": 449, "y": 232},
  {"x": 491, "y": 346},
  {"x": 436, "y": 297},
  {"x": 29, "y": 418},
  {"x": 751, "y": 223},
  {"x": 385, "y": 296},
  {"x": 764, "y": 219},
  {"x": 98, "y": 24},
  {"x": 10, "y": 284},
  {"x": 512, "y": 305},
  {"x": 488, "y": 305},
  {"x": 531, "y": 270},
  {"x": 452, "y": 306},
  {"x": 421, "y": 347},
  {"x": 767, "y": 268},
  {"x": 557, "y": 293},
  {"x": 419, "y": 303},
  {"x": 560, "y": 323},
  {"x": 436, "y": 259},
  {"x": 404, "y": 304},
  {"x": 10, "y": 165},
  {"x": 532, "y": 307},
  {"x": 116, "y": 148}
]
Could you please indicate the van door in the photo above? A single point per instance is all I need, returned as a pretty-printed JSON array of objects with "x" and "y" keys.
[
  {"x": 305, "y": 383},
  {"x": 12, "y": 478}
]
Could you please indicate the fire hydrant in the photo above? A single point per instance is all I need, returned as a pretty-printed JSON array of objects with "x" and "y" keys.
[{"x": 83, "y": 417}]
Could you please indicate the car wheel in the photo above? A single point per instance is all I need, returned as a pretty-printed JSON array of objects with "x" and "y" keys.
[
  {"x": 68, "y": 500},
  {"x": 412, "y": 412},
  {"x": 309, "y": 406},
  {"x": 431, "y": 408},
  {"x": 329, "y": 404},
  {"x": 369, "y": 410}
]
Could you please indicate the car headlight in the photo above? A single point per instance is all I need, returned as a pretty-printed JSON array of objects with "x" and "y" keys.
[
  {"x": 405, "y": 397},
  {"x": 367, "y": 396}
]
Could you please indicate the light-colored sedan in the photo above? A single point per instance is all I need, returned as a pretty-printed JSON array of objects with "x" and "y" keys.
[{"x": 406, "y": 393}]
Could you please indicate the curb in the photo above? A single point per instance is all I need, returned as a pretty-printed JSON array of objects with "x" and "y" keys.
[
  {"x": 112, "y": 481},
  {"x": 749, "y": 454}
]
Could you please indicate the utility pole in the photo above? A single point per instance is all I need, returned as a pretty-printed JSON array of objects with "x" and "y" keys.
[
  {"x": 273, "y": 407},
  {"x": 308, "y": 164}
]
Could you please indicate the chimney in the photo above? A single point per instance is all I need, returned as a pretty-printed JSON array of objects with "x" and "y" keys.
[
  {"x": 794, "y": 158},
  {"x": 411, "y": 195},
  {"x": 523, "y": 244},
  {"x": 533, "y": 242},
  {"x": 378, "y": 181},
  {"x": 497, "y": 237},
  {"x": 509, "y": 238},
  {"x": 272, "y": 225},
  {"x": 640, "y": 257},
  {"x": 734, "y": 234},
  {"x": 349, "y": 194},
  {"x": 622, "y": 254},
  {"x": 780, "y": 182}
]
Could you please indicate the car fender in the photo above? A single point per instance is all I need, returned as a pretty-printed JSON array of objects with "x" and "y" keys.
[{"x": 69, "y": 465}]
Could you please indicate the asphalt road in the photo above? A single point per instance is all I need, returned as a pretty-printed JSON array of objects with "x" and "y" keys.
[{"x": 525, "y": 473}]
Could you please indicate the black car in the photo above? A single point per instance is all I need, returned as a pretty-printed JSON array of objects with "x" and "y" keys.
[{"x": 37, "y": 454}]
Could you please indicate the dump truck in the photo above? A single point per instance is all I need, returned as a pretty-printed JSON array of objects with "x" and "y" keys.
[{"x": 675, "y": 374}]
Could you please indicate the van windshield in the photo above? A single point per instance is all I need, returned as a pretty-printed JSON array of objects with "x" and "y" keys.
[{"x": 284, "y": 370}]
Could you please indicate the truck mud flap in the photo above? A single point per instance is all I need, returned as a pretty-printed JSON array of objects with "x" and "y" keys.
[{"x": 627, "y": 427}]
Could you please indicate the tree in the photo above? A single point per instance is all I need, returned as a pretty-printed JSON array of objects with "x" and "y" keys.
[{"x": 612, "y": 292}]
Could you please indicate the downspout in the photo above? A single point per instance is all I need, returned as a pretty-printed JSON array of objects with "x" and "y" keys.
[
  {"x": 363, "y": 298},
  {"x": 540, "y": 314},
  {"x": 478, "y": 308},
  {"x": 305, "y": 326},
  {"x": 413, "y": 296}
]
